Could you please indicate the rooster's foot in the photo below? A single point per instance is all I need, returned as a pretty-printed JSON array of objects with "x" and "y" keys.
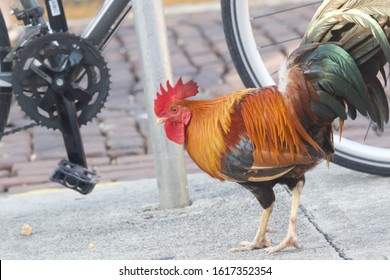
[
  {"x": 289, "y": 241},
  {"x": 249, "y": 246}
]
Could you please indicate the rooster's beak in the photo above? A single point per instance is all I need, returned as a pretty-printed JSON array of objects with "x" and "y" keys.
[{"x": 160, "y": 121}]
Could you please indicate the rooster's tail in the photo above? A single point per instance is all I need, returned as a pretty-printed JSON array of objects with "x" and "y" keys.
[{"x": 345, "y": 47}]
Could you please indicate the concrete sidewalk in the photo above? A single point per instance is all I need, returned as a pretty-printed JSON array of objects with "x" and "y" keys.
[{"x": 343, "y": 215}]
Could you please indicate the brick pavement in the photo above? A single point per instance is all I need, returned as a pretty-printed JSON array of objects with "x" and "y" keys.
[{"x": 116, "y": 143}]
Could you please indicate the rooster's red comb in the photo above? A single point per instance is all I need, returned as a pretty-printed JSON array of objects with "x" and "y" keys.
[{"x": 178, "y": 92}]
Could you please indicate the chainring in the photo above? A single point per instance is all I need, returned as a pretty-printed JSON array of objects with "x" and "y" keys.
[{"x": 79, "y": 64}]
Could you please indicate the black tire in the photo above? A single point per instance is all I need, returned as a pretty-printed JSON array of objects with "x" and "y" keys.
[
  {"x": 250, "y": 67},
  {"x": 5, "y": 93},
  {"x": 233, "y": 44},
  {"x": 365, "y": 168},
  {"x": 252, "y": 77}
]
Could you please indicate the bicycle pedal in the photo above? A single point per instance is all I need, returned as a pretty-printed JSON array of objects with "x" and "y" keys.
[{"x": 74, "y": 176}]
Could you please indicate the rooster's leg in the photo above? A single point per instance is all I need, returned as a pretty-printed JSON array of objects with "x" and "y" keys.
[
  {"x": 291, "y": 239},
  {"x": 260, "y": 241}
]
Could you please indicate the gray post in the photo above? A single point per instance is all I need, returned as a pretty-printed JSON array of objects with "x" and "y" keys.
[{"x": 153, "y": 46}]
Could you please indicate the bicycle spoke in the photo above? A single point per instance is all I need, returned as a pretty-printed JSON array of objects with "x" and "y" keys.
[
  {"x": 286, "y": 10},
  {"x": 280, "y": 42}
]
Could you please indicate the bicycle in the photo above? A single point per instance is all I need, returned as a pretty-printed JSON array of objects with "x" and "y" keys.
[
  {"x": 60, "y": 80},
  {"x": 47, "y": 59}
]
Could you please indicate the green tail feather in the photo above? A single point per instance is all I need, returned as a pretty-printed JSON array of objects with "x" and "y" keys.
[{"x": 335, "y": 76}]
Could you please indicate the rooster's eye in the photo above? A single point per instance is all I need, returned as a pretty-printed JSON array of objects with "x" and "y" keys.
[{"x": 174, "y": 109}]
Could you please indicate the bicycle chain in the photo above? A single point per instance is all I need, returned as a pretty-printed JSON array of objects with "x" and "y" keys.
[{"x": 17, "y": 129}]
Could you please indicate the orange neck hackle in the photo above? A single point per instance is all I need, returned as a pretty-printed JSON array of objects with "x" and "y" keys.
[{"x": 211, "y": 119}]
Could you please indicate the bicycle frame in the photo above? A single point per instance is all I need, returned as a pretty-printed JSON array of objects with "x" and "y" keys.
[{"x": 99, "y": 31}]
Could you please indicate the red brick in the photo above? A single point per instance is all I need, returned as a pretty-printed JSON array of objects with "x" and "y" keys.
[
  {"x": 4, "y": 173},
  {"x": 134, "y": 159},
  {"x": 98, "y": 161},
  {"x": 6, "y": 183},
  {"x": 8, "y": 162}
]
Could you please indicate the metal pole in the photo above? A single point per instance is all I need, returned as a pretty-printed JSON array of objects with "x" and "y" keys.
[{"x": 153, "y": 46}]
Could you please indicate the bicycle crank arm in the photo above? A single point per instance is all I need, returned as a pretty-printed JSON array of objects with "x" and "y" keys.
[
  {"x": 72, "y": 174},
  {"x": 70, "y": 129}
]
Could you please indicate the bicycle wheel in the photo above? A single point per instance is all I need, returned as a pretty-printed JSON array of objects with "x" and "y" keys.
[
  {"x": 240, "y": 31},
  {"x": 5, "y": 93}
]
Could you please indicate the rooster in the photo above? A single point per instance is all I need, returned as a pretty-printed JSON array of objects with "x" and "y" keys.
[{"x": 260, "y": 137}]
